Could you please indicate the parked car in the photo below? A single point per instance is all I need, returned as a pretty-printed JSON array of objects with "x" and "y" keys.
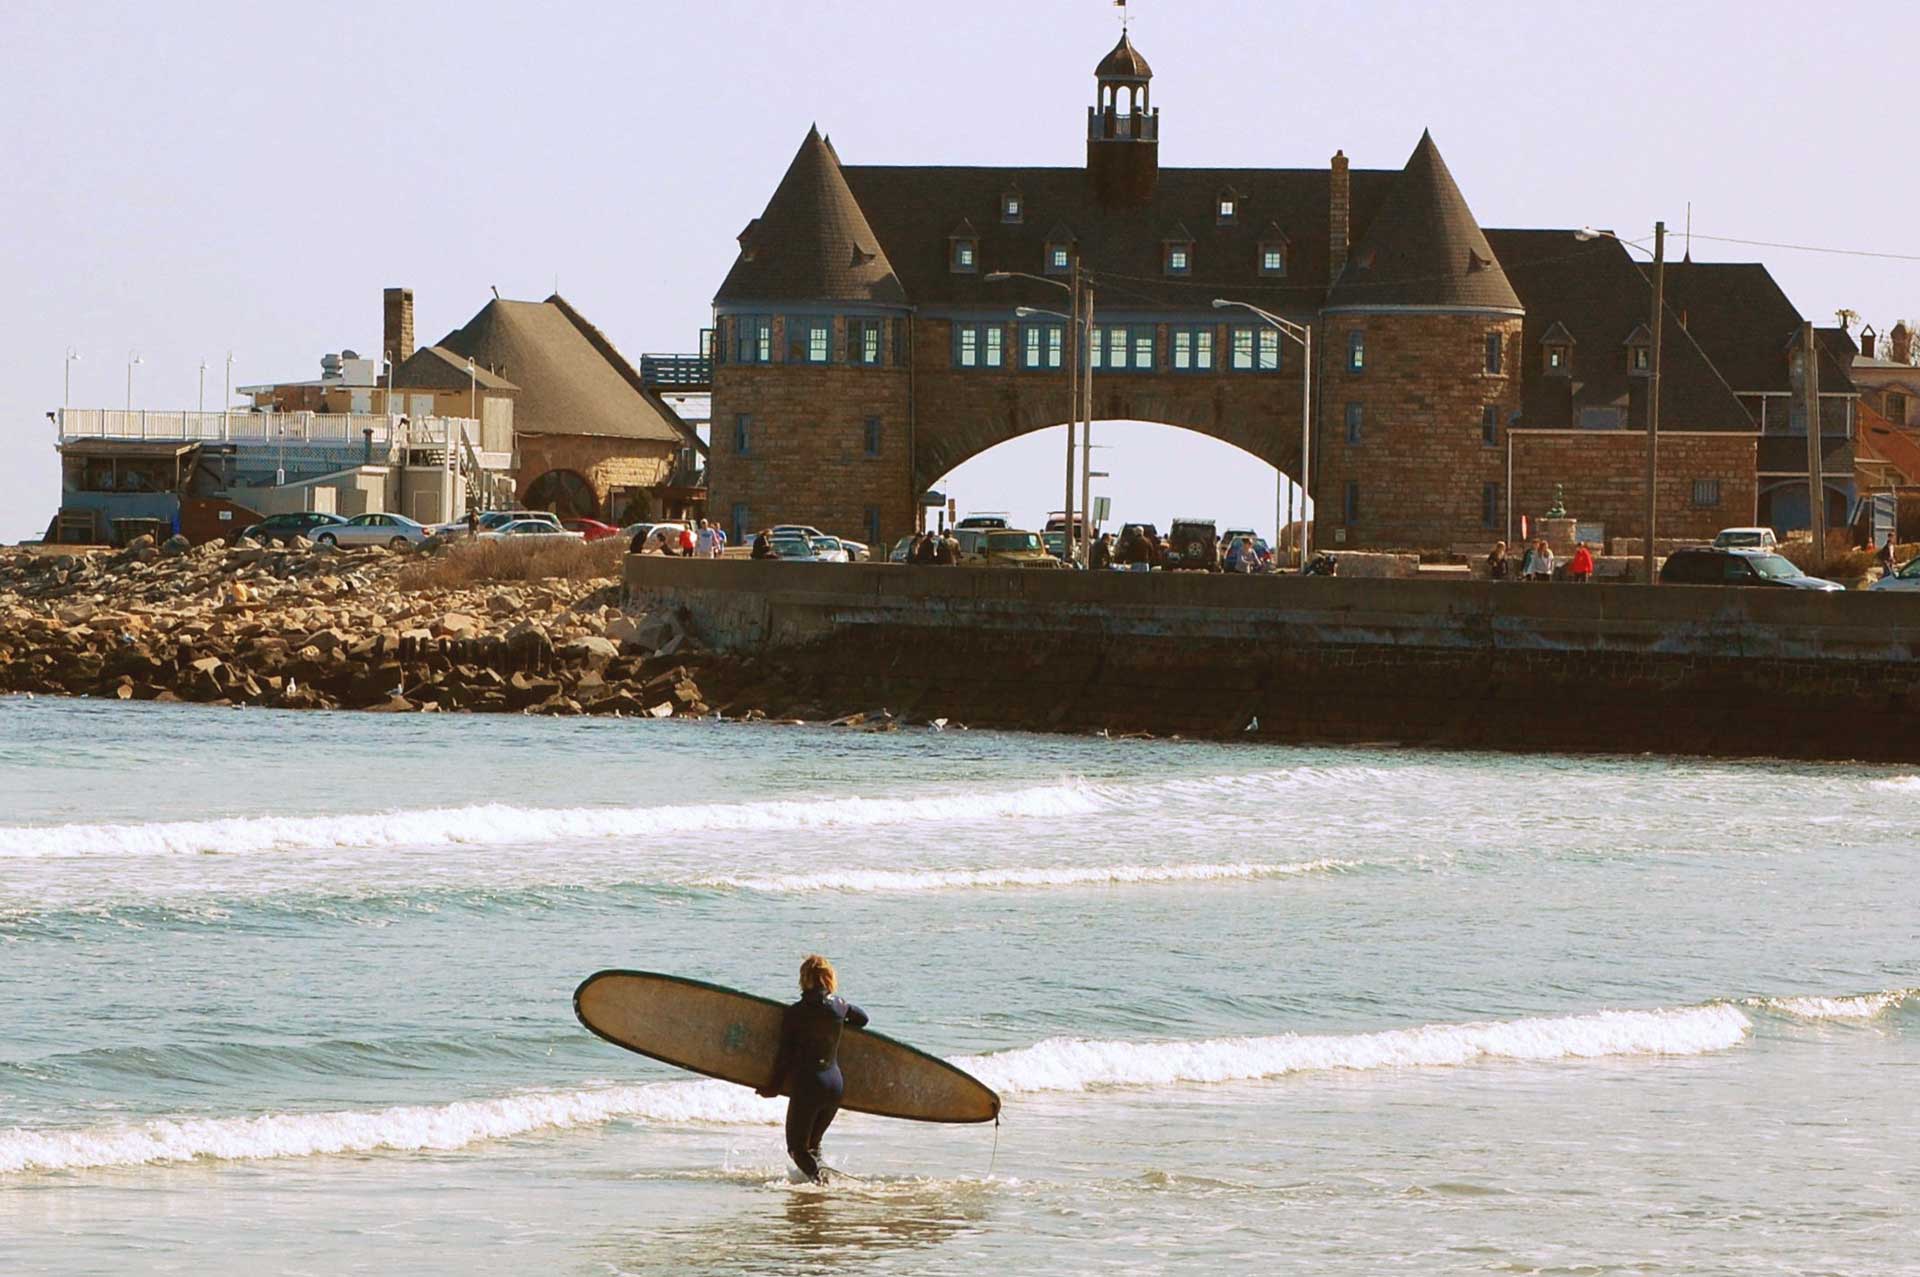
[
  {"x": 1751, "y": 538},
  {"x": 857, "y": 551},
  {"x": 590, "y": 529},
  {"x": 794, "y": 549},
  {"x": 796, "y": 530},
  {"x": 521, "y": 528},
  {"x": 989, "y": 520},
  {"x": 299, "y": 523},
  {"x": 829, "y": 549},
  {"x": 395, "y": 530},
  {"x": 1196, "y": 545},
  {"x": 901, "y": 550},
  {"x": 1705, "y": 565},
  {"x": 490, "y": 521},
  {"x": 1011, "y": 548},
  {"x": 1905, "y": 578}
]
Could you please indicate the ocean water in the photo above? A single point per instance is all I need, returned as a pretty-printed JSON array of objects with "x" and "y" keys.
[{"x": 291, "y": 993}]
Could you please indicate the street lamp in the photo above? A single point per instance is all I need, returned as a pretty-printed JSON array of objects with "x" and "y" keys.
[
  {"x": 66, "y": 385},
  {"x": 1079, "y": 383},
  {"x": 226, "y": 405},
  {"x": 1304, "y": 335},
  {"x": 1653, "y": 380},
  {"x": 132, "y": 359},
  {"x": 203, "y": 385}
]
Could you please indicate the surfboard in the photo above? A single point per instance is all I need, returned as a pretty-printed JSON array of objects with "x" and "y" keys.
[{"x": 734, "y": 1036}]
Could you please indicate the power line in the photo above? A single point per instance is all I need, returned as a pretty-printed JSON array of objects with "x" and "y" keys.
[{"x": 1809, "y": 248}]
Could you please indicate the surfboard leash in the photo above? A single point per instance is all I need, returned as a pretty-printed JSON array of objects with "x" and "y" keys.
[{"x": 995, "y": 1157}]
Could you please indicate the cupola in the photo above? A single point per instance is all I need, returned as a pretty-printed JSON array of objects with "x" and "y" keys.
[{"x": 1123, "y": 129}]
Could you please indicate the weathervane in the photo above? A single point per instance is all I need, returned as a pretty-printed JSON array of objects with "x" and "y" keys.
[{"x": 1121, "y": 5}]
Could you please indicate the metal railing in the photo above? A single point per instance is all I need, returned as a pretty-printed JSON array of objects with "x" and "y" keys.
[
  {"x": 76, "y": 424},
  {"x": 676, "y": 370}
]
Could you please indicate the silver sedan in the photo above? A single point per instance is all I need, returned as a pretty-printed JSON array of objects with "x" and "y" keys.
[{"x": 395, "y": 530}]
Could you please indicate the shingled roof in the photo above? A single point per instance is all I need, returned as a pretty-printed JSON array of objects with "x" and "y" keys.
[
  {"x": 1424, "y": 248},
  {"x": 437, "y": 368},
  {"x": 1745, "y": 323},
  {"x": 1124, "y": 63},
  {"x": 570, "y": 379},
  {"x": 813, "y": 242},
  {"x": 1592, "y": 293}
]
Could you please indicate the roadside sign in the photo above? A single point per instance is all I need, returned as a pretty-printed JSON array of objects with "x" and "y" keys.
[{"x": 1102, "y": 507}]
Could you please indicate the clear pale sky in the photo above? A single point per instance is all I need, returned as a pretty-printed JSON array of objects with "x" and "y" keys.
[{"x": 182, "y": 180}]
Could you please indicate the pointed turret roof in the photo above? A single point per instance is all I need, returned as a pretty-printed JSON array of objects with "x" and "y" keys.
[
  {"x": 1124, "y": 63},
  {"x": 1424, "y": 248},
  {"x": 813, "y": 242}
]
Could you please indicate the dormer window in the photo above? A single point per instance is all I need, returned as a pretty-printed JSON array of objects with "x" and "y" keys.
[
  {"x": 1226, "y": 206},
  {"x": 1556, "y": 352},
  {"x": 1176, "y": 256},
  {"x": 963, "y": 249},
  {"x": 1273, "y": 251},
  {"x": 1639, "y": 345},
  {"x": 1059, "y": 258},
  {"x": 1012, "y": 207}
]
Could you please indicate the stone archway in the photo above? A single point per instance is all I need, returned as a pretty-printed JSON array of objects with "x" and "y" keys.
[{"x": 565, "y": 492}]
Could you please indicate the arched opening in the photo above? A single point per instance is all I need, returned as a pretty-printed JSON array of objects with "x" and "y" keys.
[
  {"x": 1782, "y": 506},
  {"x": 564, "y": 492},
  {"x": 1149, "y": 472}
]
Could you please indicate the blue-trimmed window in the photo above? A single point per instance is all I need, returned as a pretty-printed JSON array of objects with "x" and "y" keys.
[
  {"x": 863, "y": 342},
  {"x": 809, "y": 339},
  {"x": 1253, "y": 348},
  {"x": 979, "y": 346},
  {"x": 1226, "y": 208},
  {"x": 1350, "y": 509},
  {"x": 1120, "y": 347},
  {"x": 753, "y": 339},
  {"x": 1494, "y": 344},
  {"x": 900, "y": 343},
  {"x": 873, "y": 436},
  {"x": 1356, "y": 351},
  {"x": 740, "y": 524},
  {"x": 873, "y": 528},
  {"x": 1059, "y": 259},
  {"x": 1041, "y": 345},
  {"x": 742, "y": 432},
  {"x": 1490, "y": 425},
  {"x": 1490, "y": 505},
  {"x": 1012, "y": 207},
  {"x": 1179, "y": 259},
  {"x": 1356, "y": 418},
  {"x": 1273, "y": 259},
  {"x": 962, "y": 255},
  {"x": 1193, "y": 349}
]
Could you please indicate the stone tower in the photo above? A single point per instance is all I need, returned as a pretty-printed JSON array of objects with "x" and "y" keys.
[
  {"x": 1421, "y": 376},
  {"x": 1123, "y": 130},
  {"x": 811, "y": 381}
]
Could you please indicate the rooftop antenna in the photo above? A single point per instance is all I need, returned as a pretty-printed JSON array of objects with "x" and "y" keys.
[
  {"x": 1689, "y": 252},
  {"x": 496, "y": 291}
]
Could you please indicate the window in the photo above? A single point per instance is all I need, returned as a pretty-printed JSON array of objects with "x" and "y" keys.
[
  {"x": 1143, "y": 346},
  {"x": 1490, "y": 505},
  {"x": 962, "y": 258},
  {"x": 863, "y": 342},
  {"x": 740, "y": 525},
  {"x": 1640, "y": 360},
  {"x": 1179, "y": 259},
  {"x": 1356, "y": 352},
  {"x": 1253, "y": 349},
  {"x": 1350, "y": 511},
  {"x": 1356, "y": 414},
  {"x": 979, "y": 346},
  {"x": 1273, "y": 259},
  {"x": 1559, "y": 360},
  {"x": 1122, "y": 346},
  {"x": 1010, "y": 206},
  {"x": 899, "y": 343},
  {"x": 1490, "y": 425},
  {"x": 1040, "y": 345},
  {"x": 1059, "y": 260},
  {"x": 809, "y": 339},
  {"x": 1494, "y": 342},
  {"x": 1193, "y": 349},
  {"x": 873, "y": 436},
  {"x": 1706, "y": 493},
  {"x": 753, "y": 339},
  {"x": 1896, "y": 408},
  {"x": 742, "y": 433},
  {"x": 873, "y": 528},
  {"x": 1226, "y": 207}
]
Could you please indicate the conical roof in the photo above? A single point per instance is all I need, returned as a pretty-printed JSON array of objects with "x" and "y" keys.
[
  {"x": 1124, "y": 63},
  {"x": 813, "y": 242},
  {"x": 1424, "y": 248}
]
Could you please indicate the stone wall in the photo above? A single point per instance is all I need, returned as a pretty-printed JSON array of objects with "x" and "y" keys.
[
  {"x": 1603, "y": 477},
  {"x": 1564, "y": 667},
  {"x": 605, "y": 463}
]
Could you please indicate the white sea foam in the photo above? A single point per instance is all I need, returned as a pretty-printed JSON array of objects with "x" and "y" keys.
[
  {"x": 503, "y": 825},
  {"x": 1059, "y": 876},
  {"x": 1864, "y": 1006},
  {"x": 1899, "y": 784},
  {"x": 1059, "y": 1064}
]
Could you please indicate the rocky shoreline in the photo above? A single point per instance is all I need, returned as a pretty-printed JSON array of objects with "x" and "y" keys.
[{"x": 302, "y": 626}]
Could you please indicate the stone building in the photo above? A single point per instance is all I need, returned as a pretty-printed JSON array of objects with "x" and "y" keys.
[{"x": 862, "y": 350}]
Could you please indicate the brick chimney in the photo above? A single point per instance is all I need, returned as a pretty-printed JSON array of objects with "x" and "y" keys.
[
  {"x": 397, "y": 330},
  {"x": 1337, "y": 217},
  {"x": 1867, "y": 338},
  {"x": 1900, "y": 343}
]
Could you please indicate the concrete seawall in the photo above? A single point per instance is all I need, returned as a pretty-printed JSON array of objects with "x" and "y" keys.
[{"x": 1565, "y": 667}]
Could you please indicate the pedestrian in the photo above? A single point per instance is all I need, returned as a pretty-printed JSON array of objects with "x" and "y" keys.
[
  {"x": 1497, "y": 562},
  {"x": 1580, "y": 567},
  {"x": 946, "y": 550},
  {"x": 1542, "y": 560},
  {"x": 708, "y": 540},
  {"x": 473, "y": 523},
  {"x": 686, "y": 541},
  {"x": 1886, "y": 557},
  {"x": 1101, "y": 556},
  {"x": 807, "y": 1067},
  {"x": 924, "y": 550},
  {"x": 762, "y": 545}
]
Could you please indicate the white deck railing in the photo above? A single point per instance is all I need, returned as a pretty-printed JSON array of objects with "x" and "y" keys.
[{"x": 76, "y": 424}]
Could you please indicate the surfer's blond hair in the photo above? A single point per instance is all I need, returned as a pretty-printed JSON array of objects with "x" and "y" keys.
[{"x": 817, "y": 973}]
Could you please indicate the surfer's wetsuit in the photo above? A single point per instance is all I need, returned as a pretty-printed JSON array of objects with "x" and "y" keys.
[{"x": 809, "y": 1064}]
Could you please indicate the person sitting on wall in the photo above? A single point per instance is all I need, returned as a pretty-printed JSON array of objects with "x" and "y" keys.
[
  {"x": 1497, "y": 562},
  {"x": 762, "y": 545},
  {"x": 1580, "y": 566}
]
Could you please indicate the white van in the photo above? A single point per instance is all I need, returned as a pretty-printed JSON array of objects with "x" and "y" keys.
[{"x": 1746, "y": 539}]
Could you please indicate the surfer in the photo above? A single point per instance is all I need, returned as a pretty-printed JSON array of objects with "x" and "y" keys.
[{"x": 808, "y": 1062}]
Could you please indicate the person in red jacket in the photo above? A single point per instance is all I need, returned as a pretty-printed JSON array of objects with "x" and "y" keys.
[{"x": 1580, "y": 567}]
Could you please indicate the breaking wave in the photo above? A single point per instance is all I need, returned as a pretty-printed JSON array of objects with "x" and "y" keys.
[
  {"x": 1899, "y": 784},
  {"x": 1863, "y": 1006},
  {"x": 1055, "y": 1065},
  {"x": 1062, "y": 876}
]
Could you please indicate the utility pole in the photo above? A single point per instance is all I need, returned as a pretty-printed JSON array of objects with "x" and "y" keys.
[
  {"x": 1816, "y": 482},
  {"x": 1073, "y": 402},
  {"x": 1083, "y": 409},
  {"x": 1653, "y": 399}
]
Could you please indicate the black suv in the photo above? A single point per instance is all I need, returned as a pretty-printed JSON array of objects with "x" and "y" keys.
[
  {"x": 1196, "y": 545},
  {"x": 299, "y": 523},
  {"x": 1708, "y": 565}
]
